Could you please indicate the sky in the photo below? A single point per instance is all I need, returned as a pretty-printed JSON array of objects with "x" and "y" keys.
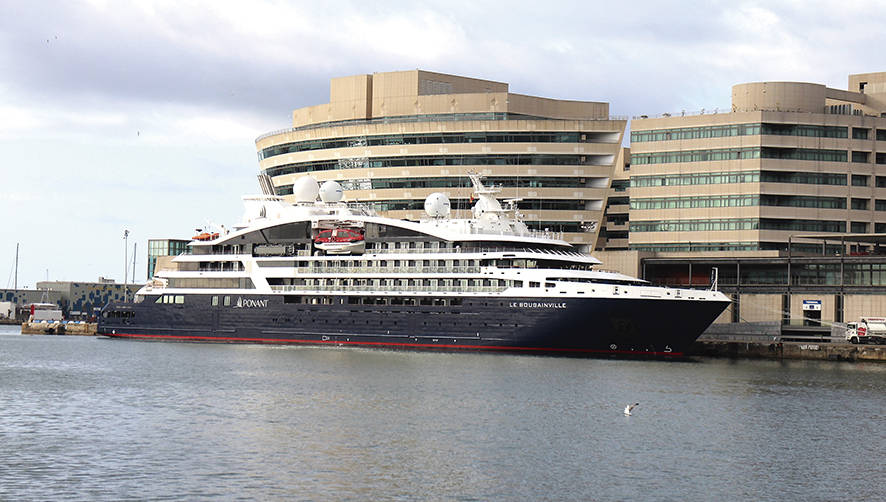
[{"x": 142, "y": 116}]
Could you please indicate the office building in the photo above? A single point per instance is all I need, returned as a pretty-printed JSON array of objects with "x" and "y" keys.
[
  {"x": 392, "y": 139},
  {"x": 790, "y": 163},
  {"x": 789, "y": 158}
]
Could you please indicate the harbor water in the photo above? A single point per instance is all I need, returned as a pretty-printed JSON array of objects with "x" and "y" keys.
[{"x": 85, "y": 418}]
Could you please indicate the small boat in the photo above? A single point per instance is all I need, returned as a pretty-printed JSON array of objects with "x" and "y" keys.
[
  {"x": 206, "y": 236},
  {"x": 341, "y": 241}
]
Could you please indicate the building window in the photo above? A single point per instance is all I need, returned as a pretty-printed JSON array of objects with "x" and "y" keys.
[
  {"x": 859, "y": 203},
  {"x": 881, "y": 134},
  {"x": 859, "y": 180},
  {"x": 858, "y": 227},
  {"x": 859, "y": 133},
  {"x": 860, "y": 157}
]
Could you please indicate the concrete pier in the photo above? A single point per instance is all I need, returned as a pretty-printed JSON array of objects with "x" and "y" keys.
[{"x": 59, "y": 328}]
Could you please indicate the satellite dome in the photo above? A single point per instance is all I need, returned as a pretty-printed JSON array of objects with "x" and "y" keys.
[
  {"x": 437, "y": 205},
  {"x": 305, "y": 189},
  {"x": 331, "y": 191}
]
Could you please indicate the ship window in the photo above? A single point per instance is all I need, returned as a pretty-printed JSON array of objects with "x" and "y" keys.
[
  {"x": 534, "y": 284},
  {"x": 518, "y": 284},
  {"x": 549, "y": 285},
  {"x": 179, "y": 299},
  {"x": 159, "y": 299},
  {"x": 215, "y": 301},
  {"x": 227, "y": 301},
  {"x": 455, "y": 301}
]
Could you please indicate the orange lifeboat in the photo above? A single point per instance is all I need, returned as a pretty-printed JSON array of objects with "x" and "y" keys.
[{"x": 206, "y": 236}]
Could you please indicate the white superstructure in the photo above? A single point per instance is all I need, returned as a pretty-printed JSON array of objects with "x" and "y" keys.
[{"x": 318, "y": 247}]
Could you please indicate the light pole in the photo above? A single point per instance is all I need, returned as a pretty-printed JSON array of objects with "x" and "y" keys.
[{"x": 125, "y": 264}]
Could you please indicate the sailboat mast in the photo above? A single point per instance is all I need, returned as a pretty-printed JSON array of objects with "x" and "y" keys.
[
  {"x": 16, "y": 266},
  {"x": 134, "y": 249}
]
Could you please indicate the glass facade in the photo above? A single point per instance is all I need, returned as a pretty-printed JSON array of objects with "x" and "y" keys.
[
  {"x": 716, "y": 178},
  {"x": 753, "y": 129},
  {"x": 425, "y": 139},
  {"x": 776, "y": 274},
  {"x": 439, "y": 117},
  {"x": 718, "y": 154},
  {"x": 721, "y": 224},
  {"x": 452, "y": 182},
  {"x": 740, "y": 201},
  {"x": 438, "y": 160},
  {"x": 164, "y": 247}
]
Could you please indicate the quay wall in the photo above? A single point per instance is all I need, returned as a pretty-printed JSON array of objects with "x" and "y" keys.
[{"x": 790, "y": 350}]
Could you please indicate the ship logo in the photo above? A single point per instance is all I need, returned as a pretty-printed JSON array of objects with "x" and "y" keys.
[{"x": 249, "y": 303}]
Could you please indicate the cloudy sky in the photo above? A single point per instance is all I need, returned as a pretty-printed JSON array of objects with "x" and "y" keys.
[{"x": 143, "y": 115}]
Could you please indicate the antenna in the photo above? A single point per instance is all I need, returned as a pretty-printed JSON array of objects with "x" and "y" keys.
[{"x": 125, "y": 263}]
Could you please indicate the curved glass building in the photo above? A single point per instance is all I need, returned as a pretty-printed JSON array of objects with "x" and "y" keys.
[{"x": 391, "y": 139}]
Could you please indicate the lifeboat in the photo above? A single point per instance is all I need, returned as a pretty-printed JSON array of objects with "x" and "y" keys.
[
  {"x": 206, "y": 236},
  {"x": 341, "y": 241}
]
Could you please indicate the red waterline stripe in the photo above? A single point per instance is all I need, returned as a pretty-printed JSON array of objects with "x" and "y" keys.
[{"x": 387, "y": 344}]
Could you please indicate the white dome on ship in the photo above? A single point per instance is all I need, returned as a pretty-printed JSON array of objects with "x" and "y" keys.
[
  {"x": 331, "y": 191},
  {"x": 305, "y": 189},
  {"x": 437, "y": 205}
]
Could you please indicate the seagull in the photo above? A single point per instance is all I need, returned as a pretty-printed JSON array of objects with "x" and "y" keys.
[{"x": 630, "y": 407}]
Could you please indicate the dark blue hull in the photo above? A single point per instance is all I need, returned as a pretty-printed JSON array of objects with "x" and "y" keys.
[{"x": 632, "y": 327}]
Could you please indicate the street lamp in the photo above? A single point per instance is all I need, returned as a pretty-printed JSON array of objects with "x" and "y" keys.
[{"x": 125, "y": 264}]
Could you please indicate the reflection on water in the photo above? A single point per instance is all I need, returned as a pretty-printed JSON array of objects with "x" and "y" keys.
[{"x": 88, "y": 418}]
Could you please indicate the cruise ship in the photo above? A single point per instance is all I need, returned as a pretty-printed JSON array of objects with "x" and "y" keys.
[{"x": 322, "y": 271}]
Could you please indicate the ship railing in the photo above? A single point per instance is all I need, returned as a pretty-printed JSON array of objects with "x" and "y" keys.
[
  {"x": 379, "y": 251},
  {"x": 462, "y": 250},
  {"x": 369, "y": 289},
  {"x": 389, "y": 270},
  {"x": 542, "y": 234}
]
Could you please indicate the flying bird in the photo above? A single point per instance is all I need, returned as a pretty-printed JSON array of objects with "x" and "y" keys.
[{"x": 629, "y": 408}]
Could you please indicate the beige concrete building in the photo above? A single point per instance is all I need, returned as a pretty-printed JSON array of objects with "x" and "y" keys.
[
  {"x": 790, "y": 158},
  {"x": 731, "y": 190},
  {"x": 614, "y": 234},
  {"x": 392, "y": 139}
]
